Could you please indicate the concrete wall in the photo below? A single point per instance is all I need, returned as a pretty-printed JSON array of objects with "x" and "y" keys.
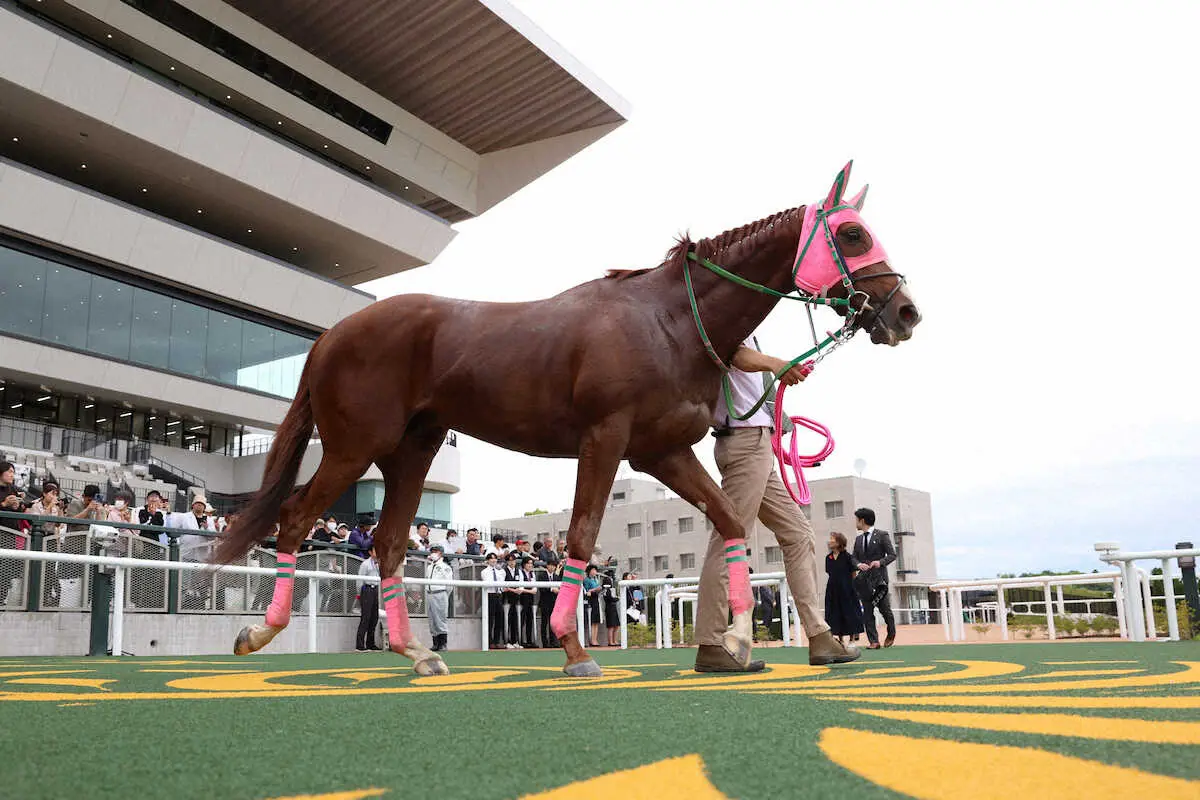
[
  {"x": 61, "y": 213},
  {"x": 64, "y": 633},
  {"x": 40, "y": 60}
]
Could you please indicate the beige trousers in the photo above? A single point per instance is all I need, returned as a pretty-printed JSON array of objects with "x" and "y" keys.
[{"x": 749, "y": 479}]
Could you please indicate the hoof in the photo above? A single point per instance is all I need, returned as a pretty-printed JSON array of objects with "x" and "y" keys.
[
  {"x": 431, "y": 666},
  {"x": 584, "y": 669},
  {"x": 739, "y": 649},
  {"x": 242, "y": 646}
]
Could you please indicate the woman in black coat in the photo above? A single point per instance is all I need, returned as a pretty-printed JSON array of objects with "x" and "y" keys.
[{"x": 842, "y": 609}]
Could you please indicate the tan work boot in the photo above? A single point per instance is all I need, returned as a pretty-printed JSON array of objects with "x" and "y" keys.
[
  {"x": 825, "y": 649},
  {"x": 714, "y": 658}
]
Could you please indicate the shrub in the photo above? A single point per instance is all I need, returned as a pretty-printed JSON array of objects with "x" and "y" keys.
[{"x": 982, "y": 629}]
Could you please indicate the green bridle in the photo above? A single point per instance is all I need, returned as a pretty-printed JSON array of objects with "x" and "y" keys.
[{"x": 821, "y": 348}]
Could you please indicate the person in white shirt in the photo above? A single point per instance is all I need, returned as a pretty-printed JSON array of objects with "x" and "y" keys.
[
  {"x": 437, "y": 596},
  {"x": 192, "y": 547},
  {"x": 748, "y": 477},
  {"x": 493, "y": 573},
  {"x": 368, "y": 605},
  {"x": 454, "y": 543}
]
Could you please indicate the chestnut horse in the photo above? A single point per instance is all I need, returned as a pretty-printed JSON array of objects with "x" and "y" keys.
[{"x": 622, "y": 367}]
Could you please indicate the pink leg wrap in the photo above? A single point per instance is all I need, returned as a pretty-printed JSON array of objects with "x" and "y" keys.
[
  {"x": 397, "y": 613},
  {"x": 279, "y": 613},
  {"x": 741, "y": 599},
  {"x": 562, "y": 621}
]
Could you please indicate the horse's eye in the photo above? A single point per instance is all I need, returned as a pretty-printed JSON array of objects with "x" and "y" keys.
[{"x": 854, "y": 234}]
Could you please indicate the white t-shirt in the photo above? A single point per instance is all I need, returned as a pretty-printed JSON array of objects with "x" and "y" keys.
[{"x": 745, "y": 388}]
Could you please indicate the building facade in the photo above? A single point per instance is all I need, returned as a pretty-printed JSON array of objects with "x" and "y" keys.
[
  {"x": 648, "y": 532},
  {"x": 191, "y": 190}
]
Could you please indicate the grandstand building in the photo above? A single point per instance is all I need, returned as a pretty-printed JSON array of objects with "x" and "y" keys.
[
  {"x": 649, "y": 532},
  {"x": 190, "y": 190}
]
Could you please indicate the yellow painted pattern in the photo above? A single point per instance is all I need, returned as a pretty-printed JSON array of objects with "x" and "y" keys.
[
  {"x": 683, "y": 778},
  {"x": 1077, "y": 673},
  {"x": 1107, "y": 728},
  {"x": 1018, "y": 701},
  {"x": 359, "y": 794},
  {"x": 932, "y": 769},
  {"x": 89, "y": 683}
]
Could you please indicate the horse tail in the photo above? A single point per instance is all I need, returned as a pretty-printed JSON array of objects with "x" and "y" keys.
[{"x": 256, "y": 521}]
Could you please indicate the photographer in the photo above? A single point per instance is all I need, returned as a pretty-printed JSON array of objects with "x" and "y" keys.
[{"x": 10, "y": 495}]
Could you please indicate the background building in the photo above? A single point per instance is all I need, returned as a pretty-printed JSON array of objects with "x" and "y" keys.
[
  {"x": 649, "y": 532},
  {"x": 189, "y": 192}
]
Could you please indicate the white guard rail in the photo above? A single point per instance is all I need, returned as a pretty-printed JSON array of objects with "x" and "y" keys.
[
  {"x": 120, "y": 565},
  {"x": 1110, "y": 553},
  {"x": 687, "y": 587},
  {"x": 951, "y": 593}
]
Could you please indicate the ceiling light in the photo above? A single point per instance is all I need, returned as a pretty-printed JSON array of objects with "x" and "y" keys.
[
  {"x": 249, "y": 230},
  {"x": 172, "y": 424},
  {"x": 90, "y": 405},
  {"x": 172, "y": 68},
  {"x": 83, "y": 166},
  {"x": 42, "y": 399},
  {"x": 228, "y": 97},
  {"x": 15, "y": 139},
  {"x": 199, "y": 210},
  {"x": 197, "y": 428},
  {"x": 336, "y": 264},
  {"x": 108, "y": 36},
  {"x": 368, "y": 166},
  {"x": 101, "y": 420},
  {"x": 323, "y": 147},
  {"x": 127, "y": 414},
  {"x": 144, "y": 190},
  {"x": 154, "y": 418},
  {"x": 295, "y": 249},
  {"x": 278, "y": 122},
  {"x": 18, "y": 405}
]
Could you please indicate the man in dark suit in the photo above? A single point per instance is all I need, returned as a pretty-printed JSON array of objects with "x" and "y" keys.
[{"x": 873, "y": 551}]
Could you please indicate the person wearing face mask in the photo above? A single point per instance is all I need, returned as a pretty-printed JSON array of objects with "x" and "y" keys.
[
  {"x": 192, "y": 547},
  {"x": 437, "y": 596}
]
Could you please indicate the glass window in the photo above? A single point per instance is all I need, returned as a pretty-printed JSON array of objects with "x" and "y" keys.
[
  {"x": 108, "y": 320},
  {"x": 21, "y": 293},
  {"x": 658, "y": 527},
  {"x": 151, "y": 328},
  {"x": 834, "y": 509},
  {"x": 687, "y": 560},
  {"x": 224, "y": 353},
  {"x": 635, "y": 565},
  {"x": 686, "y": 524},
  {"x": 773, "y": 555},
  {"x": 633, "y": 530},
  {"x": 189, "y": 331},
  {"x": 71, "y": 307},
  {"x": 661, "y": 563},
  {"x": 65, "y": 312}
]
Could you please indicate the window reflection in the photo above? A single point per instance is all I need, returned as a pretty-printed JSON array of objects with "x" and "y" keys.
[{"x": 55, "y": 303}]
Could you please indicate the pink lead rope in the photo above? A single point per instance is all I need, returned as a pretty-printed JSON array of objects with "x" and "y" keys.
[{"x": 791, "y": 457}]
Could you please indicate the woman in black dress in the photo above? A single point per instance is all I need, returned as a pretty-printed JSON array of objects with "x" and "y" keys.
[{"x": 842, "y": 609}]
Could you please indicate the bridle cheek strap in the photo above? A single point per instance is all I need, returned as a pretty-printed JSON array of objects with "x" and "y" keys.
[{"x": 819, "y": 263}]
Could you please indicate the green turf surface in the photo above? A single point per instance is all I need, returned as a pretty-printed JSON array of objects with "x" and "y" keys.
[{"x": 343, "y": 725}]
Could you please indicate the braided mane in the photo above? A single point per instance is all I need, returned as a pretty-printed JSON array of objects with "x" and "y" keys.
[{"x": 734, "y": 238}]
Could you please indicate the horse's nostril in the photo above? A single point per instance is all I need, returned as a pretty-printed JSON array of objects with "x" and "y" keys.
[{"x": 909, "y": 315}]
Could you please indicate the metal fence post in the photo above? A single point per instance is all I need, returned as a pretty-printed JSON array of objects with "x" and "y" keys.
[
  {"x": 313, "y": 602},
  {"x": 33, "y": 592},
  {"x": 172, "y": 576},
  {"x": 622, "y": 609}
]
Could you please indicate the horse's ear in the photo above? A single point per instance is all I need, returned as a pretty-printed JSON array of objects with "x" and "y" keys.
[
  {"x": 857, "y": 200},
  {"x": 839, "y": 186}
]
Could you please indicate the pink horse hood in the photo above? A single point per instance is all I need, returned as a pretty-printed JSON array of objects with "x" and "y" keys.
[{"x": 816, "y": 265}]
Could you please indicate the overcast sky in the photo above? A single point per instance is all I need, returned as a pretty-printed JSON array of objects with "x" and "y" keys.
[{"x": 1033, "y": 169}]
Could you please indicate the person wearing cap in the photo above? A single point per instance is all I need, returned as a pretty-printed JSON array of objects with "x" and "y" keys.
[
  {"x": 437, "y": 596},
  {"x": 197, "y": 586}
]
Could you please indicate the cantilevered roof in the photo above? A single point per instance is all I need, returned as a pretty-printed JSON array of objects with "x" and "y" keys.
[{"x": 478, "y": 70}]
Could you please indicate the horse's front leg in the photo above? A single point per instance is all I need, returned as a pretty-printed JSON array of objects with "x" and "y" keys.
[{"x": 599, "y": 456}]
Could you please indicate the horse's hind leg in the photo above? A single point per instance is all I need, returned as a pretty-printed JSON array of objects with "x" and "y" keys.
[
  {"x": 295, "y": 517},
  {"x": 683, "y": 474},
  {"x": 404, "y": 476}
]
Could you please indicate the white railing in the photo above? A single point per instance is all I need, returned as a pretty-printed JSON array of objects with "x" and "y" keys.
[
  {"x": 1110, "y": 553},
  {"x": 951, "y": 593},
  {"x": 122, "y": 565}
]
